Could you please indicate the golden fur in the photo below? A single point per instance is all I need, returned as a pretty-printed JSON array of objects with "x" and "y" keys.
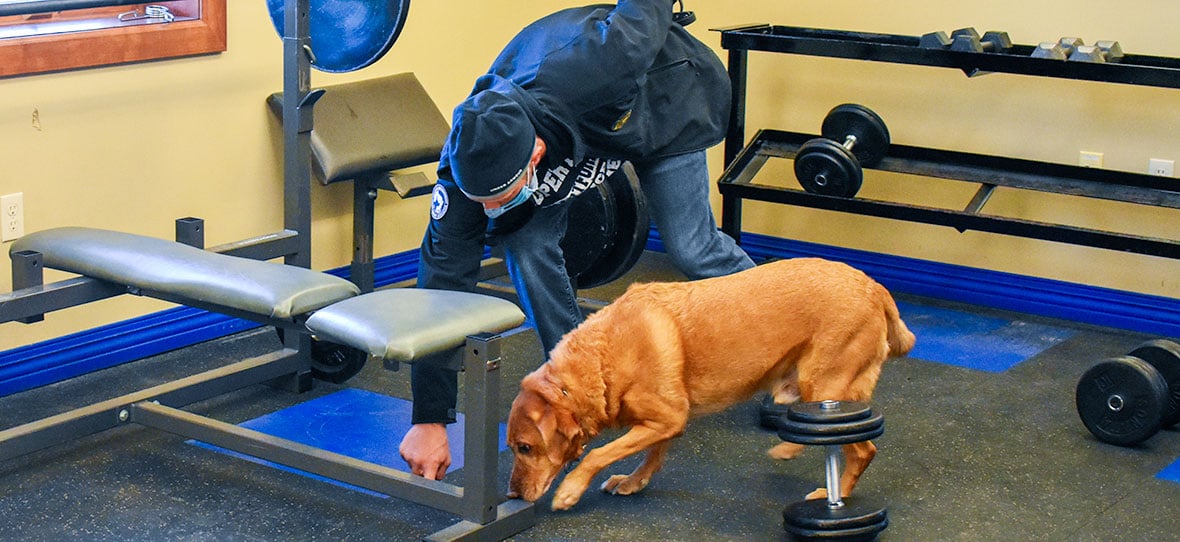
[{"x": 663, "y": 353}]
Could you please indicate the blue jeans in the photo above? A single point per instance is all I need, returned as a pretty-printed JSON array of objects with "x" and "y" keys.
[{"x": 677, "y": 192}]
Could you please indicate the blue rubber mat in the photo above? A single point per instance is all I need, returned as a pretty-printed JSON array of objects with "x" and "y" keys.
[
  {"x": 356, "y": 423},
  {"x": 976, "y": 342},
  {"x": 1170, "y": 473}
]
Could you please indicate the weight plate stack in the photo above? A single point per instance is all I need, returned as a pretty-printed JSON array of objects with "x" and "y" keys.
[
  {"x": 591, "y": 229},
  {"x": 624, "y": 239},
  {"x": 815, "y": 519},
  {"x": 830, "y": 423}
]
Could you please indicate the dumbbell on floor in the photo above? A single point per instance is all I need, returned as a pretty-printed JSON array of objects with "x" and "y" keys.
[
  {"x": 832, "y": 424},
  {"x": 1127, "y": 399},
  {"x": 854, "y": 137},
  {"x": 967, "y": 40}
]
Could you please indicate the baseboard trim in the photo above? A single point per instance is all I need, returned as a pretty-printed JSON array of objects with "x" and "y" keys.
[
  {"x": 1030, "y": 295},
  {"x": 65, "y": 357}
]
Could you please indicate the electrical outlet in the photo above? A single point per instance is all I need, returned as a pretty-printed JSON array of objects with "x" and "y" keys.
[
  {"x": 12, "y": 216},
  {"x": 1161, "y": 167},
  {"x": 1090, "y": 159}
]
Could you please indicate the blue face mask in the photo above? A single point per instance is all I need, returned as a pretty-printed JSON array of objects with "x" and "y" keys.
[{"x": 526, "y": 193}]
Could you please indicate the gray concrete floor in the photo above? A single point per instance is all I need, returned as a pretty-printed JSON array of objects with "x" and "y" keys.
[{"x": 966, "y": 455}]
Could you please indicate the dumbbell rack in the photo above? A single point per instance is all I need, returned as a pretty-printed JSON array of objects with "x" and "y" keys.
[{"x": 744, "y": 160}]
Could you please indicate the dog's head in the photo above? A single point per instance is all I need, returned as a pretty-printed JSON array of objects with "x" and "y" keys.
[{"x": 543, "y": 435}]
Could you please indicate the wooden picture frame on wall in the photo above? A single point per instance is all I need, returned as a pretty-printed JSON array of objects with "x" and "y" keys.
[{"x": 49, "y": 42}]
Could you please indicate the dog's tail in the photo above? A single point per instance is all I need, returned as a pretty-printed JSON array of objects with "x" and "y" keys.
[{"x": 901, "y": 339}]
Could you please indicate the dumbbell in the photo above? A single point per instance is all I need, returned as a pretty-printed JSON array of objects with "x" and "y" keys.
[
  {"x": 967, "y": 40},
  {"x": 1126, "y": 399},
  {"x": 1101, "y": 51},
  {"x": 1075, "y": 49},
  {"x": 1059, "y": 50},
  {"x": 832, "y": 424},
  {"x": 853, "y": 137}
]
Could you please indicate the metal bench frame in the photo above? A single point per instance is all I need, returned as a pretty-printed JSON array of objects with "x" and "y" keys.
[{"x": 484, "y": 513}]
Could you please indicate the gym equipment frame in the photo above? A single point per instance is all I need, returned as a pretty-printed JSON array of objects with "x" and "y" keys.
[
  {"x": 483, "y": 511},
  {"x": 744, "y": 160}
]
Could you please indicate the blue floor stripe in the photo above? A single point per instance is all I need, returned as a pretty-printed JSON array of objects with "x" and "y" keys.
[
  {"x": 976, "y": 342},
  {"x": 357, "y": 423}
]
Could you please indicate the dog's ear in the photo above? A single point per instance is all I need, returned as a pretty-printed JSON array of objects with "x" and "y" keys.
[
  {"x": 549, "y": 385},
  {"x": 568, "y": 428},
  {"x": 564, "y": 437}
]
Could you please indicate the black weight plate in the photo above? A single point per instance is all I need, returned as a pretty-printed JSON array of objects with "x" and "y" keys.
[
  {"x": 590, "y": 231},
  {"x": 1121, "y": 400},
  {"x": 632, "y": 222},
  {"x": 831, "y": 440},
  {"x": 769, "y": 412},
  {"x": 823, "y": 166},
  {"x": 1164, "y": 355},
  {"x": 347, "y": 35},
  {"x": 872, "y": 136},
  {"x": 842, "y": 411},
  {"x": 815, "y": 520},
  {"x": 332, "y": 362},
  {"x": 831, "y": 433},
  {"x": 336, "y": 363}
]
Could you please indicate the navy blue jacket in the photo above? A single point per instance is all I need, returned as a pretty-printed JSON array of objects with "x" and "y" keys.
[{"x": 601, "y": 81}]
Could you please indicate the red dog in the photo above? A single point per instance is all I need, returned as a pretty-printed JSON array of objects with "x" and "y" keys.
[{"x": 662, "y": 353}]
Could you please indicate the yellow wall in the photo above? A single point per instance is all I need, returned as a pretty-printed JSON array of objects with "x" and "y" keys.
[{"x": 134, "y": 147}]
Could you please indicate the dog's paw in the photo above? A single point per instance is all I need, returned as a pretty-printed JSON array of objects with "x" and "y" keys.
[
  {"x": 786, "y": 450},
  {"x": 821, "y": 493},
  {"x": 565, "y": 501},
  {"x": 621, "y": 484},
  {"x": 566, "y": 497}
]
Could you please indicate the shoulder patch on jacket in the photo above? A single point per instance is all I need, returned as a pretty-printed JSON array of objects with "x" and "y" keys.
[{"x": 439, "y": 202}]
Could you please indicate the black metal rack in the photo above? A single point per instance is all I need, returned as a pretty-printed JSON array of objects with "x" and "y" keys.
[{"x": 744, "y": 160}]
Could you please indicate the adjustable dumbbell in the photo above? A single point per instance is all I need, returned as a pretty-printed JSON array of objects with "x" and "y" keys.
[
  {"x": 1125, "y": 400},
  {"x": 967, "y": 40},
  {"x": 832, "y": 424},
  {"x": 853, "y": 137}
]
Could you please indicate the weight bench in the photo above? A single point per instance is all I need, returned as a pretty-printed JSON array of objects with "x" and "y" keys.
[
  {"x": 458, "y": 329},
  {"x": 364, "y": 132}
]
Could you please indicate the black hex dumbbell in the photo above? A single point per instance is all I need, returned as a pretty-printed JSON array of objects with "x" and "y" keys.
[
  {"x": 854, "y": 137},
  {"x": 832, "y": 424}
]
